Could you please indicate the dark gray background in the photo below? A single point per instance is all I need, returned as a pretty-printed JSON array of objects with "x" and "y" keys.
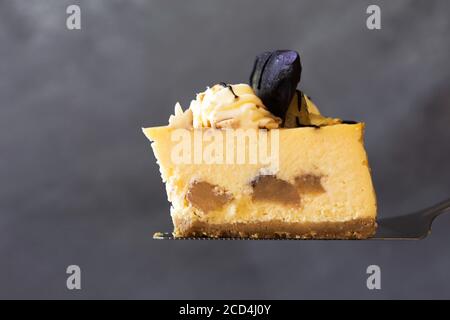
[{"x": 79, "y": 183}]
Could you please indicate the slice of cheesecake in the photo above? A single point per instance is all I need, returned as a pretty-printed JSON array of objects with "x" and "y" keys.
[
  {"x": 260, "y": 161},
  {"x": 321, "y": 187}
]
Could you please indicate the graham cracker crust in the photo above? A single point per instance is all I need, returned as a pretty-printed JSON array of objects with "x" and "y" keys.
[{"x": 353, "y": 229}]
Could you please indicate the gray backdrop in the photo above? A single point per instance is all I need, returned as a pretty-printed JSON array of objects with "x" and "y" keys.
[{"x": 79, "y": 183}]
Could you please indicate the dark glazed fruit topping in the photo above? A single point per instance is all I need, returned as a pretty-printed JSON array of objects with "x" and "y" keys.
[{"x": 275, "y": 77}]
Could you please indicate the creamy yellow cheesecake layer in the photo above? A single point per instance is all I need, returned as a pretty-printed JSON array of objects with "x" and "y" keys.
[{"x": 334, "y": 155}]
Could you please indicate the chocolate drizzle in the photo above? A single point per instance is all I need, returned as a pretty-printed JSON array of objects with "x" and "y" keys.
[
  {"x": 299, "y": 100},
  {"x": 225, "y": 85},
  {"x": 300, "y": 105}
]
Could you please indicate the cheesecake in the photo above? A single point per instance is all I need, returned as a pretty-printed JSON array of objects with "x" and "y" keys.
[{"x": 259, "y": 160}]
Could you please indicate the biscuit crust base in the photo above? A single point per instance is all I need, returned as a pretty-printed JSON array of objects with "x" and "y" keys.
[{"x": 276, "y": 229}]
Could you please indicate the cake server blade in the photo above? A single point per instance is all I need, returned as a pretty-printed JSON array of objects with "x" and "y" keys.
[{"x": 413, "y": 226}]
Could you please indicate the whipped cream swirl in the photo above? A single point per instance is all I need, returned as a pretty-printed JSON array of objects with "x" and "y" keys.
[{"x": 231, "y": 106}]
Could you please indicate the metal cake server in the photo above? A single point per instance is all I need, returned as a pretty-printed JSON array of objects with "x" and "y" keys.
[{"x": 413, "y": 226}]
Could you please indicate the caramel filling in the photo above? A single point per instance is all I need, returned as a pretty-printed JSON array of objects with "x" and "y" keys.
[
  {"x": 207, "y": 197},
  {"x": 309, "y": 183},
  {"x": 270, "y": 188}
]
